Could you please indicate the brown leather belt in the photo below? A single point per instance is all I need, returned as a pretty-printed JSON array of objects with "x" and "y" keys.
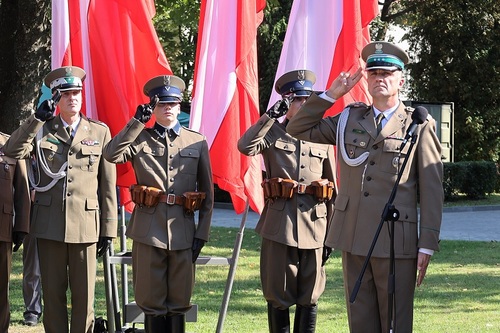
[
  {"x": 304, "y": 189},
  {"x": 172, "y": 199}
]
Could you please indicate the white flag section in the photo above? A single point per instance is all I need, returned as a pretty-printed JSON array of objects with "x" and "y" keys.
[
  {"x": 67, "y": 45},
  {"x": 215, "y": 83},
  {"x": 326, "y": 37}
]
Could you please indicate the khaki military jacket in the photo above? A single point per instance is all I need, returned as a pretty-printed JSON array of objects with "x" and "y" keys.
[
  {"x": 174, "y": 165},
  {"x": 81, "y": 206},
  {"x": 365, "y": 189},
  {"x": 301, "y": 221},
  {"x": 14, "y": 195}
]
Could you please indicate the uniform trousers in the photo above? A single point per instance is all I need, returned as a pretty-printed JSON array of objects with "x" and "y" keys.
[
  {"x": 32, "y": 287},
  {"x": 290, "y": 275},
  {"x": 369, "y": 313},
  {"x": 163, "y": 279},
  {"x": 5, "y": 269},
  {"x": 60, "y": 262}
]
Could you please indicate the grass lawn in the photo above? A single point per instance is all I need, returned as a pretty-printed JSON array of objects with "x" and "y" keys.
[{"x": 459, "y": 294}]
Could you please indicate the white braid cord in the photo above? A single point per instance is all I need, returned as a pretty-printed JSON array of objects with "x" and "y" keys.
[
  {"x": 42, "y": 162},
  {"x": 341, "y": 125}
]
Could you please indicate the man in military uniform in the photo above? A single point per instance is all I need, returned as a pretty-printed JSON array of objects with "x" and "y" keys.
[
  {"x": 369, "y": 166},
  {"x": 74, "y": 213},
  {"x": 174, "y": 178},
  {"x": 14, "y": 221},
  {"x": 295, "y": 218}
]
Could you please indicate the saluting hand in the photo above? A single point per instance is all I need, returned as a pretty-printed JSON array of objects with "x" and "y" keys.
[{"x": 344, "y": 83}]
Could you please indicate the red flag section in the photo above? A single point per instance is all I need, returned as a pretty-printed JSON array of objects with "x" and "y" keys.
[
  {"x": 225, "y": 96},
  {"x": 115, "y": 42}
]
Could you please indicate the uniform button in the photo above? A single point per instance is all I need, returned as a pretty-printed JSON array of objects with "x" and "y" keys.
[
  {"x": 70, "y": 167},
  {"x": 368, "y": 178},
  {"x": 286, "y": 147},
  {"x": 171, "y": 168},
  {"x": 171, "y": 156},
  {"x": 68, "y": 194},
  {"x": 375, "y": 147},
  {"x": 301, "y": 179},
  {"x": 372, "y": 162},
  {"x": 70, "y": 180},
  {"x": 366, "y": 194},
  {"x": 303, "y": 154},
  {"x": 171, "y": 179},
  {"x": 302, "y": 166},
  {"x": 171, "y": 145},
  {"x": 70, "y": 153},
  {"x": 300, "y": 205},
  {"x": 171, "y": 190}
]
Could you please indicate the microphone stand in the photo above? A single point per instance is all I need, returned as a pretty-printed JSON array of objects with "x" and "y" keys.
[{"x": 390, "y": 214}]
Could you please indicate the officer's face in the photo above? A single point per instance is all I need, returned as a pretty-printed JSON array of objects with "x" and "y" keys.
[
  {"x": 166, "y": 113},
  {"x": 70, "y": 103},
  {"x": 383, "y": 83}
]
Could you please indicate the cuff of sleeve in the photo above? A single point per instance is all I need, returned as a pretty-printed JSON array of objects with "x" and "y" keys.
[
  {"x": 326, "y": 97},
  {"x": 426, "y": 251}
]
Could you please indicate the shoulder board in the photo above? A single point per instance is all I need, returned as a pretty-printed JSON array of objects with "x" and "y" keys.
[
  {"x": 97, "y": 122},
  {"x": 4, "y": 135},
  {"x": 190, "y": 130},
  {"x": 357, "y": 105},
  {"x": 409, "y": 109},
  {"x": 429, "y": 116}
]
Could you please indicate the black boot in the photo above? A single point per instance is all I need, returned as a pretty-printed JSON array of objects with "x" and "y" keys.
[
  {"x": 155, "y": 324},
  {"x": 279, "y": 320},
  {"x": 177, "y": 323},
  {"x": 305, "y": 319},
  {"x": 296, "y": 321}
]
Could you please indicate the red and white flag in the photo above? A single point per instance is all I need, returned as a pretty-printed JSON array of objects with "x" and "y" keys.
[
  {"x": 225, "y": 95},
  {"x": 326, "y": 37},
  {"x": 116, "y": 44}
]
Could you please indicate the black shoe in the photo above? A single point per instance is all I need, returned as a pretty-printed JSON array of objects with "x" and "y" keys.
[{"x": 31, "y": 319}]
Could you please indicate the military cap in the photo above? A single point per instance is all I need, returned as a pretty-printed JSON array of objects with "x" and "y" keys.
[
  {"x": 384, "y": 55},
  {"x": 298, "y": 83},
  {"x": 168, "y": 88},
  {"x": 65, "y": 78}
]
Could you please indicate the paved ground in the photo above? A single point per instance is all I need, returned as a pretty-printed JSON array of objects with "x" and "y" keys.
[{"x": 478, "y": 223}]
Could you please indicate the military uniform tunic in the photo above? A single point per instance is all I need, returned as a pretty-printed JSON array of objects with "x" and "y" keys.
[
  {"x": 14, "y": 217},
  {"x": 300, "y": 222},
  {"x": 174, "y": 164},
  {"x": 365, "y": 189},
  {"x": 68, "y": 218}
]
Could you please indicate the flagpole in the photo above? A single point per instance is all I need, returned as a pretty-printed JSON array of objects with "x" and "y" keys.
[{"x": 232, "y": 270}]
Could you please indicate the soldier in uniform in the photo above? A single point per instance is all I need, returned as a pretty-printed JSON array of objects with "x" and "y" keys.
[
  {"x": 14, "y": 221},
  {"x": 74, "y": 213},
  {"x": 295, "y": 218},
  {"x": 369, "y": 165},
  {"x": 173, "y": 170}
]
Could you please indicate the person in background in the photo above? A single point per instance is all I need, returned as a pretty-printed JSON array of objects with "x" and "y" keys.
[
  {"x": 14, "y": 221},
  {"x": 370, "y": 142},
  {"x": 74, "y": 215},
  {"x": 174, "y": 179},
  {"x": 299, "y": 191},
  {"x": 32, "y": 284}
]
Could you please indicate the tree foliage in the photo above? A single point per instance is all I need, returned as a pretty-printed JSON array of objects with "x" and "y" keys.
[{"x": 456, "y": 58}]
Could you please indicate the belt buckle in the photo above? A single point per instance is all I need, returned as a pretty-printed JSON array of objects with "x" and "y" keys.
[
  {"x": 301, "y": 189},
  {"x": 170, "y": 199}
]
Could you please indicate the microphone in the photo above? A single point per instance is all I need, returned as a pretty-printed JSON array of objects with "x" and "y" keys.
[{"x": 418, "y": 117}]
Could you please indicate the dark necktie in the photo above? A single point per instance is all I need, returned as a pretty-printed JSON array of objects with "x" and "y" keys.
[
  {"x": 69, "y": 129},
  {"x": 378, "y": 122}
]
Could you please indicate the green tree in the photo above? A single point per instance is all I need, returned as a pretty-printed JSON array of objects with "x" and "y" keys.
[
  {"x": 24, "y": 58},
  {"x": 456, "y": 58}
]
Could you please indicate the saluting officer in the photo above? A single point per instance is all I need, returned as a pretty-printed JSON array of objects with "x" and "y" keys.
[
  {"x": 295, "y": 219},
  {"x": 75, "y": 209},
  {"x": 370, "y": 163},
  {"x": 174, "y": 178},
  {"x": 14, "y": 221}
]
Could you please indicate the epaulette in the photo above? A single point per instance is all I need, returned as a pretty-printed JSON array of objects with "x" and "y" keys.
[
  {"x": 357, "y": 105},
  {"x": 409, "y": 109},
  {"x": 192, "y": 131},
  {"x": 97, "y": 122}
]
